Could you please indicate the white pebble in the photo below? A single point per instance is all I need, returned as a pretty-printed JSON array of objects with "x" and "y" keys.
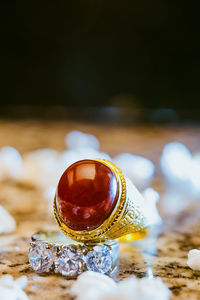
[
  {"x": 40, "y": 168},
  {"x": 11, "y": 163},
  {"x": 175, "y": 162},
  {"x": 142, "y": 289},
  {"x": 7, "y": 222},
  {"x": 180, "y": 167},
  {"x": 173, "y": 202},
  {"x": 77, "y": 139},
  {"x": 22, "y": 282},
  {"x": 67, "y": 158},
  {"x": 95, "y": 286},
  {"x": 195, "y": 173},
  {"x": 92, "y": 286},
  {"x": 49, "y": 193},
  {"x": 151, "y": 198},
  {"x": 11, "y": 289},
  {"x": 85, "y": 152},
  {"x": 194, "y": 259},
  {"x": 139, "y": 169}
]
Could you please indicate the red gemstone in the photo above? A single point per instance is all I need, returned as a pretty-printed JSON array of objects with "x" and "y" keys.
[{"x": 86, "y": 194}]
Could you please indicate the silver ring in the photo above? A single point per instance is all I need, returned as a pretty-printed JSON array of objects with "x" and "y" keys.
[{"x": 55, "y": 252}]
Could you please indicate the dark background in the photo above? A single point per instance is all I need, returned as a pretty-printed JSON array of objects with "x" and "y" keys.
[{"x": 132, "y": 54}]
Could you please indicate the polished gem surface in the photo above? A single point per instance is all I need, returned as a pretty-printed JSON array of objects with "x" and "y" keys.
[
  {"x": 86, "y": 194},
  {"x": 40, "y": 257},
  {"x": 69, "y": 261},
  {"x": 99, "y": 259}
]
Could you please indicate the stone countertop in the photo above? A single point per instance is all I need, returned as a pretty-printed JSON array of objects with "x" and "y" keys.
[{"x": 163, "y": 254}]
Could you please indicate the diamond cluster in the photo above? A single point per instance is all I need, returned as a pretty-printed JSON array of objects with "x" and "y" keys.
[{"x": 69, "y": 260}]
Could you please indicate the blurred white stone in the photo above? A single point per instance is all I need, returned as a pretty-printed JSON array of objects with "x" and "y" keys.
[
  {"x": 142, "y": 289},
  {"x": 195, "y": 173},
  {"x": 92, "y": 286},
  {"x": 95, "y": 286},
  {"x": 139, "y": 169},
  {"x": 85, "y": 152},
  {"x": 148, "y": 247},
  {"x": 151, "y": 198},
  {"x": 41, "y": 168},
  {"x": 194, "y": 259},
  {"x": 11, "y": 163},
  {"x": 180, "y": 167},
  {"x": 67, "y": 158},
  {"x": 49, "y": 193},
  {"x": 7, "y": 222},
  {"x": 77, "y": 139},
  {"x": 11, "y": 289},
  {"x": 176, "y": 161},
  {"x": 174, "y": 202},
  {"x": 22, "y": 282}
]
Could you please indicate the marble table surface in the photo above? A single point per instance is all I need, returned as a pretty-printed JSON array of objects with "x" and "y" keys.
[{"x": 163, "y": 254}]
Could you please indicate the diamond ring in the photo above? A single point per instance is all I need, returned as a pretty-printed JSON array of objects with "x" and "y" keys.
[
  {"x": 95, "y": 203},
  {"x": 55, "y": 252}
]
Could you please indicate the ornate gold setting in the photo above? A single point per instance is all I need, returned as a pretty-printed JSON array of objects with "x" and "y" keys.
[{"x": 126, "y": 217}]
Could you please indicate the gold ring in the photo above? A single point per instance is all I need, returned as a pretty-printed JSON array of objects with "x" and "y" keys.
[{"x": 94, "y": 202}]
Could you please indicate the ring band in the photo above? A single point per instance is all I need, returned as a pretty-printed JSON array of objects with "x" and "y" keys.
[
  {"x": 53, "y": 251},
  {"x": 126, "y": 218}
]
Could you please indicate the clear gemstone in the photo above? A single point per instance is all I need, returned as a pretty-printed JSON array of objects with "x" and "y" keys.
[
  {"x": 99, "y": 259},
  {"x": 69, "y": 261},
  {"x": 40, "y": 257}
]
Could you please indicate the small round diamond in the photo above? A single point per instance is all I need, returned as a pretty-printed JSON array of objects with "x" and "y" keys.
[
  {"x": 69, "y": 261},
  {"x": 40, "y": 257},
  {"x": 99, "y": 259}
]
